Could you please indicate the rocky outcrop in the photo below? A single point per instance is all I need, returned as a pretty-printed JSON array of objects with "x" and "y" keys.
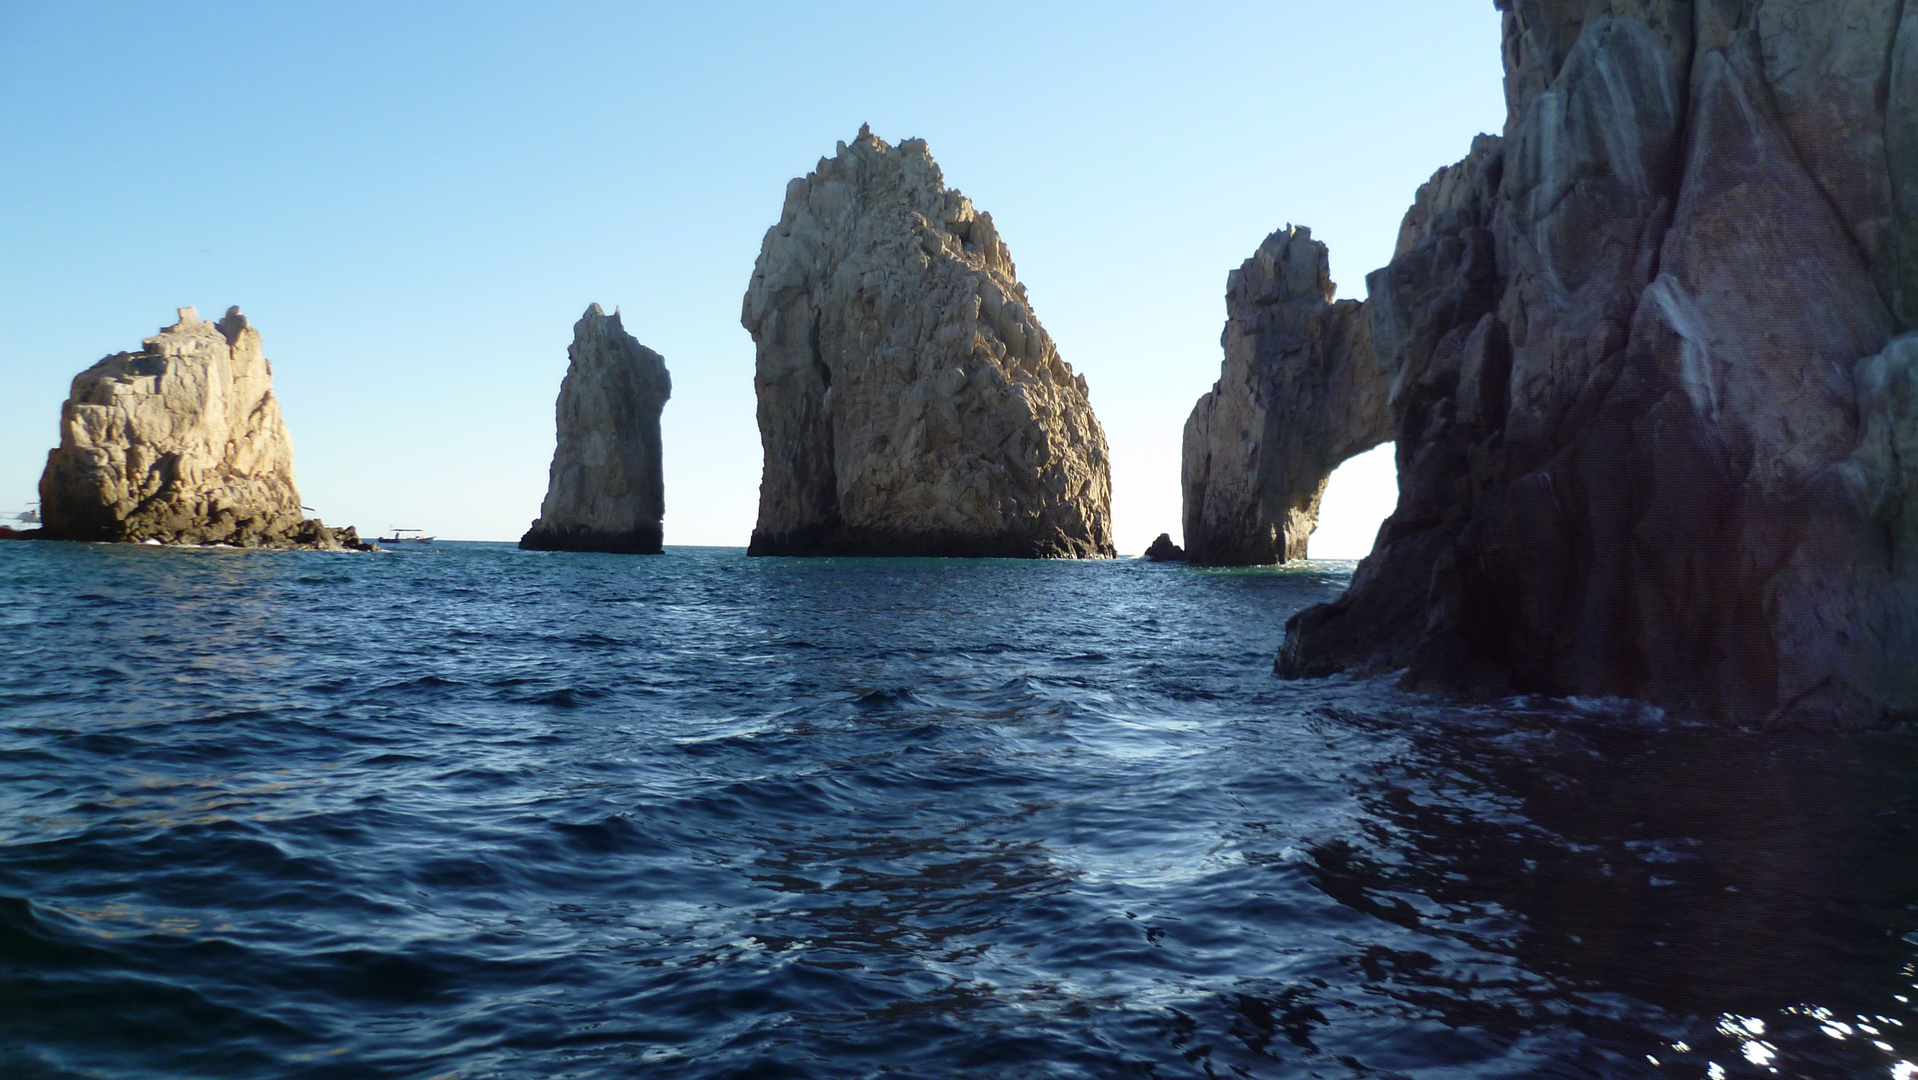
[
  {"x": 1164, "y": 550},
  {"x": 909, "y": 401},
  {"x": 605, "y": 492},
  {"x": 1652, "y": 404},
  {"x": 1300, "y": 392},
  {"x": 180, "y": 443}
]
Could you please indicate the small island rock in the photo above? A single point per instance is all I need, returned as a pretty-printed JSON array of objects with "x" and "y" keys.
[
  {"x": 604, "y": 491},
  {"x": 1164, "y": 550},
  {"x": 180, "y": 443},
  {"x": 909, "y": 401}
]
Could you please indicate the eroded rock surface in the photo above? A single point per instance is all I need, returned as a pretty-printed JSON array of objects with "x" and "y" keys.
[
  {"x": 1300, "y": 392},
  {"x": 909, "y": 401},
  {"x": 1653, "y": 408},
  {"x": 605, "y": 491},
  {"x": 181, "y": 442}
]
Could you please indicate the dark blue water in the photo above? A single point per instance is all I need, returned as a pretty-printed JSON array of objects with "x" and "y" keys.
[{"x": 471, "y": 812}]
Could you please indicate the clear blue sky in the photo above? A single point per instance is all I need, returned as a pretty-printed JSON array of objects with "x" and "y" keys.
[{"x": 414, "y": 202}]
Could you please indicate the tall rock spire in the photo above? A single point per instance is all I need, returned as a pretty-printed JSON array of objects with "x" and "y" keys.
[{"x": 605, "y": 491}]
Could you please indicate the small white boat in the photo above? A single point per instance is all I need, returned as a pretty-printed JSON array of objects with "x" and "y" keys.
[{"x": 400, "y": 537}]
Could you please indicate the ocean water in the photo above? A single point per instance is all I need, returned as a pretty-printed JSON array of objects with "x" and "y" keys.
[{"x": 466, "y": 811}]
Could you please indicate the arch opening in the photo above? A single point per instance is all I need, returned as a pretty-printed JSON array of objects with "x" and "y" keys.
[{"x": 1359, "y": 495}]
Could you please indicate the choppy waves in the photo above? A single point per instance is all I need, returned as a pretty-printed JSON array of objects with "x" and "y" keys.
[{"x": 475, "y": 812}]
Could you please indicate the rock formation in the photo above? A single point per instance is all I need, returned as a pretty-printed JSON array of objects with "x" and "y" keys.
[
  {"x": 1654, "y": 410},
  {"x": 1301, "y": 391},
  {"x": 1164, "y": 550},
  {"x": 605, "y": 492},
  {"x": 181, "y": 443},
  {"x": 909, "y": 401}
]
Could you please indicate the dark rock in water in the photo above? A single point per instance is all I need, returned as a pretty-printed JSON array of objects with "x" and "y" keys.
[
  {"x": 909, "y": 401},
  {"x": 1655, "y": 419},
  {"x": 312, "y": 533},
  {"x": 605, "y": 491},
  {"x": 8, "y": 532},
  {"x": 1164, "y": 550},
  {"x": 180, "y": 443},
  {"x": 1300, "y": 392}
]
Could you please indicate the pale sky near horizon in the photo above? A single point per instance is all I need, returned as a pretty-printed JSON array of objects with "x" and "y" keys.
[{"x": 414, "y": 202}]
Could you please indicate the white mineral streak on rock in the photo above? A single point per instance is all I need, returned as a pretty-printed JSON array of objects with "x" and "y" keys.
[
  {"x": 181, "y": 442},
  {"x": 605, "y": 492},
  {"x": 1300, "y": 392},
  {"x": 1654, "y": 413},
  {"x": 909, "y": 401}
]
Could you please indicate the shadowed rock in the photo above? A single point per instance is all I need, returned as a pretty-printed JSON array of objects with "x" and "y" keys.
[
  {"x": 909, "y": 401},
  {"x": 182, "y": 443},
  {"x": 604, "y": 491},
  {"x": 1652, "y": 408},
  {"x": 1164, "y": 550}
]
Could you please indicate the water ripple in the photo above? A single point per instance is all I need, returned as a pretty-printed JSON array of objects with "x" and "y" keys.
[{"x": 473, "y": 812}]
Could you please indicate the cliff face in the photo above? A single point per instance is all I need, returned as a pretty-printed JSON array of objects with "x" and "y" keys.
[
  {"x": 1653, "y": 411},
  {"x": 1300, "y": 392},
  {"x": 605, "y": 492},
  {"x": 181, "y": 442},
  {"x": 909, "y": 401}
]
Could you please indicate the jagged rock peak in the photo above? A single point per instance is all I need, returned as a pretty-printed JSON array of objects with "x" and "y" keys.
[
  {"x": 605, "y": 491},
  {"x": 1299, "y": 392},
  {"x": 910, "y": 402},
  {"x": 1650, "y": 395},
  {"x": 181, "y": 442}
]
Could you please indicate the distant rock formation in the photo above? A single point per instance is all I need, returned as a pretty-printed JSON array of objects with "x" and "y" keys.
[
  {"x": 605, "y": 492},
  {"x": 909, "y": 401},
  {"x": 1164, "y": 550},
  {"x": 180, "y": 443},
  {"x": 1653, "y": 389},
  {"x": 1300, "y": 392}
]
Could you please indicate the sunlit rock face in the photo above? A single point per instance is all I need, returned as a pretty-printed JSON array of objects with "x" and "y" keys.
[
  {"x": 181, "y": 443},
  {"x": 909, "y": 401},
  {"x": 1653, "y": 409},
  {"x": 605, "y": 491},
  {"x": 1301, "y": 391}
]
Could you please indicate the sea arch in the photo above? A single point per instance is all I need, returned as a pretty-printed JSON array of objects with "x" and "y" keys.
[{"x": 1301, "y": 391}]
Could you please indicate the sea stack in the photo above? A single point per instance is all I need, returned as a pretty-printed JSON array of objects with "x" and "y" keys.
[
  {"x": 605, "y": 492},
  {"x": 1655, "y": 393},
  {"x": 180, "y": 443},
  {"x": 1164, "y": 550},
  {"x": 1300, "y": 392},
  {"x": 909, "y": 401}
]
